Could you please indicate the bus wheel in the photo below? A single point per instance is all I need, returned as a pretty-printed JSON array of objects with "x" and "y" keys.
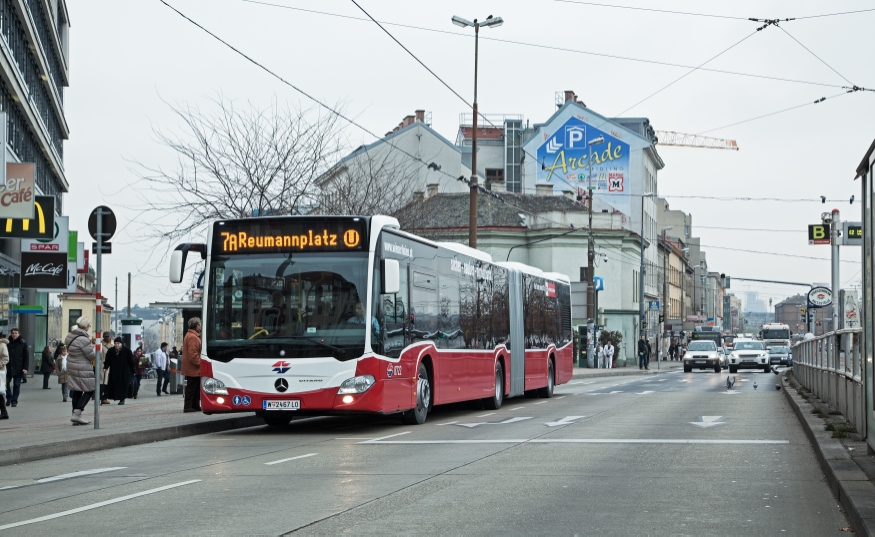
[
  {"x": 416, "y": 416},
  {"x": 494, "y": 402},
  {"x": 277, "y": 419},
  {"x": 547, "y": 392}
]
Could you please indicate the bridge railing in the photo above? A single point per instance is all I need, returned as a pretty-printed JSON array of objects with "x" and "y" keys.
[{"x": 831, "y": 367}]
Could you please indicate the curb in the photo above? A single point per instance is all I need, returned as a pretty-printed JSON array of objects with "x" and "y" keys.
[
  {"x": 846, "y": 480},
  {"x": 133, "y": 438}
]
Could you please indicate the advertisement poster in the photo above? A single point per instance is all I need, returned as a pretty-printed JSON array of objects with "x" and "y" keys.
[{"x": 566, "y": 160}]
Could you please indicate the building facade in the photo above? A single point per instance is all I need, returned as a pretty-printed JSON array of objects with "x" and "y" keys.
[{"x": 34, "y": 70}]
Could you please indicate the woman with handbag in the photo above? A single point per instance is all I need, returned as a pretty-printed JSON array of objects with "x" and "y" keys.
[{"x": 80, "y": 367}]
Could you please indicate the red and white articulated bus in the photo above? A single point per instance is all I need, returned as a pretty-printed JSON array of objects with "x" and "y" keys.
[{"x": 323, "y": 315}]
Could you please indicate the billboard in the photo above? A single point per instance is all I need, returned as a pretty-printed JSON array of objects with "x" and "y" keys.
[
  {"x": 43, "y": 270},
  {"x": 16, "y": 191},
  {"x": 567, "y": 160},
  {"x": 59, "y": 243}
]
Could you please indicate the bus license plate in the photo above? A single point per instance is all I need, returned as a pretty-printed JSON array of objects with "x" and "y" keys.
[{"x": 281, "y": 405}]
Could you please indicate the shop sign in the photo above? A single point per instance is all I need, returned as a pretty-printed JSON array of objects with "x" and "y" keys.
[
  {"x": 43, "y": 270},
  {"x": 820, "y": 297}
]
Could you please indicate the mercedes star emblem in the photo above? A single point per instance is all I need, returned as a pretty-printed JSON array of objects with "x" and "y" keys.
[{"x": 281, "y": 385}]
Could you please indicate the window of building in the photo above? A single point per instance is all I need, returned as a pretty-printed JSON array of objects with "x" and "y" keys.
[
  {"x": 73, "y": 315},
  {"x": 494, "y": 175}
]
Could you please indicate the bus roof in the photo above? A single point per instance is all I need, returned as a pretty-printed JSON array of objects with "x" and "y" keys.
[{"x": 466, "y": 250}]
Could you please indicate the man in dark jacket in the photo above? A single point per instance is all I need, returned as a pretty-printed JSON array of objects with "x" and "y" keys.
[
  {"x": 19, "y": 361},
  {"x": 120, "y": 362},
  {"x": 643, "y": 352}
]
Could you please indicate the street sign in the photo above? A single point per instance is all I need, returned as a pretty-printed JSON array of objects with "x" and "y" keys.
[
  {"x": 819, "y": 297},
  {"x": 42, "y": 226},
  {"x": 653, "y": 305},
  {"x": 818, "y": 234},
  {"x": 108, "y": 226},
  {"x": 599, "y": 283},
  {"x": 852, "y": 234},
  {"x": 107, "y": 247}
]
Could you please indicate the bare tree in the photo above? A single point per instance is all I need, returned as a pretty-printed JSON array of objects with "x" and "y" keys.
[
  {"x": 369, "y": 182},
  {"x": 236, "y": 162}
]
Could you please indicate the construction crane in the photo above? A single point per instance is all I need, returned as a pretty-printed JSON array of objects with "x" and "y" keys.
[{"x": 681, "y": 139}]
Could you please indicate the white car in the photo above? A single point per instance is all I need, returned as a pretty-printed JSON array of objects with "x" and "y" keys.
[
  {"x": 702, "y": 354},
  {"x": 748, "y": 354}
]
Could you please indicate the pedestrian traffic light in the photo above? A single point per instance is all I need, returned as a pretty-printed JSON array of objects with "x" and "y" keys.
[{"x": 661, "y": 317}]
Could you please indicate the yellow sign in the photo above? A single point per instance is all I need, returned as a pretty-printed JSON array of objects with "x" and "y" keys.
[
  {"x": 41, "y": 227},
  {"x": 242, "y": 241}
]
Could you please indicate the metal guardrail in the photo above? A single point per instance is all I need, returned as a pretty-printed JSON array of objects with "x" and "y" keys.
[{"x": 831, "y": 367}]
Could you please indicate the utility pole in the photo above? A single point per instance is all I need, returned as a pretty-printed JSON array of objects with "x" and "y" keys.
[
  {"x": 115, "y": 309},
  {"x": 641, "y": 317},
  {"x": 590, "y": 258},
  {"x": 835, "y": 232},
  {"x": 97, "y": 322}
]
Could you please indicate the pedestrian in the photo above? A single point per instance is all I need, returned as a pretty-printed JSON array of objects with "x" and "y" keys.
[
  {"x": 162, "y": 369},
  {"x": 19, "y": 361},
  {"x": 80, "y": 367},
  {"x": 140, "y": 363},
  {"x": 609, "y": 355},
  {"x": 4, "y": 359},
  {"x": 61, "y": 370},
  {"x": 600, "y": 357},
  {"x": 643, "y": 349},
  {"x": 649, "y": 354},
  {"x": 105, "y": 344},
  {"x": 191, "y": 365},
  {"x": 120, "y": 363},
  {"x": 47, "y": 365}
]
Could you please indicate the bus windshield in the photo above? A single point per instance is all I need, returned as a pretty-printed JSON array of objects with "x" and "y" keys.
[
  {"x": 297, "y": 305},
  {"x": 776, "y": 334}
]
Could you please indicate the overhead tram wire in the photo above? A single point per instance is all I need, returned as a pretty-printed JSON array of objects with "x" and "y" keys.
[
  {"x": 710, "y": 15},
  {"x": 807, "y": 103},
  {"x": 776, "y": 253},
  {"x": 815, "y": 55},
  {"x": 747, "y": 198},
  {"x": 547, "y": 47}
]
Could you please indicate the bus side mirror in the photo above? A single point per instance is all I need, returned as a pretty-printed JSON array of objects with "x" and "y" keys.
[
  {"x": 391, "y": 276},
  {"x": 178, "y": 258}
]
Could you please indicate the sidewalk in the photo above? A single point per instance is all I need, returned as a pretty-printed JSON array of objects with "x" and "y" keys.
[
  {"x": 39, "y": 427},
  {"x": 655, "y": 369},
  {"x": 848, "y": 466}
]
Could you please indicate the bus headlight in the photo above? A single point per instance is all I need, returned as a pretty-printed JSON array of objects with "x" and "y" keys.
[
  {"x": 359, "y": 384},
  {"x": 213, "y": 386}
]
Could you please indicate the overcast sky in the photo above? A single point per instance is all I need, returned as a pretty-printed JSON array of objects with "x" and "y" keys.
[{"x": 126, "y": 58}]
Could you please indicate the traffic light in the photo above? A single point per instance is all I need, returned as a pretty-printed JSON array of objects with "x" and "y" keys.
[{"x": 661, "y": 317}]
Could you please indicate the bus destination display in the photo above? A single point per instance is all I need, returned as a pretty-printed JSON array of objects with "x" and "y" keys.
[{"x": 277, "y": 235}]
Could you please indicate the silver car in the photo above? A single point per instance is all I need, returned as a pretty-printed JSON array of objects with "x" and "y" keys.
[{"x": 701, "y": 354}]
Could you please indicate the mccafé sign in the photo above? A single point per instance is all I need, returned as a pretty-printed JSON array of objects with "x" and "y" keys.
[{"x": 16, "y": 192}]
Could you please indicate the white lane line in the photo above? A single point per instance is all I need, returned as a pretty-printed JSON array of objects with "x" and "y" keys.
[
  {"x": 517, "y": 408},
  {"x": 541, "y": 402},
  {"x": 354, "y": 438},
  {"x": 96, "y": 505},
  {"x": 447, "y": 423},
  {"x": 561, "y": 397},
  {"x": 291, "y": 459},
  {"x": 383, "y": 438},
  {"x": 484, "y": 415},
  {"x": 65, "y": 476},
  {"x": 585, "y": 441}
]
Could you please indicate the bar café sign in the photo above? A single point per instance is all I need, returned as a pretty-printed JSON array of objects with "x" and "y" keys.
[{"x": 16, "y": 191}]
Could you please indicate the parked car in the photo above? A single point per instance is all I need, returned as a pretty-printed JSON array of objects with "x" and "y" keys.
[
  {"x": 779, "y": 355},
  {"x": 702, "y": 354}
]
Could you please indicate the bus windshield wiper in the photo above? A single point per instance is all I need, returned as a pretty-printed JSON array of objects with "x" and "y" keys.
[{"x": 338, "y": 350}]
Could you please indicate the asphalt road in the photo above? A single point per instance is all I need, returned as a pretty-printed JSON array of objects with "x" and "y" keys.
[{"x": 664, "y": 454}]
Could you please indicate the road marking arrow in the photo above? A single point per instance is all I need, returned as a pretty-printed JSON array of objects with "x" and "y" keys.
[
  {"x": 505, "y": 422},
  {"x": 707, "y": 421},
  {"x": 567, "y": 420}
]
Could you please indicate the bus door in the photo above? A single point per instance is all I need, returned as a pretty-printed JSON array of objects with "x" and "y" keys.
[{"x": 517, "y": 343}]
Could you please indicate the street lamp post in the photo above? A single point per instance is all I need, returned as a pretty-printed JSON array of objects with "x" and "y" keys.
[
  {"x": 642, "y": 331},
  {"x": 590, "y": 258},
  {"x": 490, "y": 22}
]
